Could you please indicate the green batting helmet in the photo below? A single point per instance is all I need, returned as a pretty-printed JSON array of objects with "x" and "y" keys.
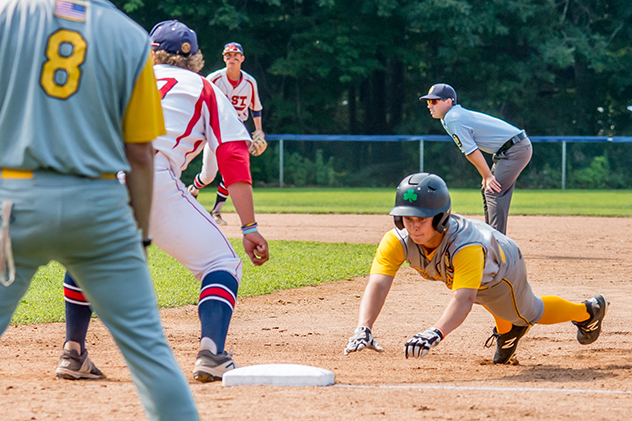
[{"x": 423, "y": 195}]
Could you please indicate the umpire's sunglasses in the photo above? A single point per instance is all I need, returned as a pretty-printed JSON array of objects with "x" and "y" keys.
[{"x": 433, "y": 101}]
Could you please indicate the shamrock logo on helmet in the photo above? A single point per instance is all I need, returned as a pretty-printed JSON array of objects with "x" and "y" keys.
[{"x": 410, "y": 195}]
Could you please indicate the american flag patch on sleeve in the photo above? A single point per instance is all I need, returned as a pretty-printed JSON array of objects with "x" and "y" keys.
[{"x": 71, "y": 10}]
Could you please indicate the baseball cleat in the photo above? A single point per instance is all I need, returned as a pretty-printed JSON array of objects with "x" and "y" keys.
[
  {"x": 218, "y": 218},
  {"x": 506, "y": 343},
  {"x": 588, "y": 331},
  {"x": 210, "y": 367},
  {"x": 73, "y": 366}
]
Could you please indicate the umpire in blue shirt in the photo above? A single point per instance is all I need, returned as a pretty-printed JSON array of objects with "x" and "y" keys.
[{"x": 474, "y": 132}]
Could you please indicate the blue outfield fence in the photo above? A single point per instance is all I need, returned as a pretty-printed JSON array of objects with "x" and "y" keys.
[{"x": 434, "y": 138}]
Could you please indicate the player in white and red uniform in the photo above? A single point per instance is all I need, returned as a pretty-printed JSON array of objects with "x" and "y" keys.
[
  {"x": 198, "y": 116},
  {"x": 241, "y": 89}
]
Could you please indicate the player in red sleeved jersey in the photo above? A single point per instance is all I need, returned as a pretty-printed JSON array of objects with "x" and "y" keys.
[
  {"x": 197, "y": 116},
  {"x": 241, "y": 90}
]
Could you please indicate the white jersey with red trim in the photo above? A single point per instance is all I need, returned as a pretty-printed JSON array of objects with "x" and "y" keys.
[
  {"x": 243, "y": 97},
  {"x": 196, "y": 114}
]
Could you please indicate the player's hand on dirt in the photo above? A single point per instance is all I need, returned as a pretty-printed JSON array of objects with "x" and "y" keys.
[
  {"x": 490, "y": 183},
  {"x": 259, "y": 143},
  {"x": 362, "y": 338},
  {"x": 256, "y": 248},
  {"x": 193, "y": 190},
  {"x": 419, "y": 345}
]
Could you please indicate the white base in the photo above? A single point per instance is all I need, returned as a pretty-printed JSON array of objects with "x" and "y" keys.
[{"x": 278, "y": 375}]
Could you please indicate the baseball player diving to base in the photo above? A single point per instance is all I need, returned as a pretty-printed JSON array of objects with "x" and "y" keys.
[
  {"x": 477, "y": 263},
  {"x": 197, "y": 116}
]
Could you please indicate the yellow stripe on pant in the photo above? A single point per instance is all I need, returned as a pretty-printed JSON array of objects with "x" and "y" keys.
[{"x": 12, "y": 174}]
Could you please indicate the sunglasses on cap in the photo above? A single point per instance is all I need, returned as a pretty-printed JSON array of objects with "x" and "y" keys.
[{"x": 433, "y": 101}]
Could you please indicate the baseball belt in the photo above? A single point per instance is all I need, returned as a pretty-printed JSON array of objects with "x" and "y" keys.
[
  {"x": 508, "y": 144},
  {"x": 11, "y": 174}
]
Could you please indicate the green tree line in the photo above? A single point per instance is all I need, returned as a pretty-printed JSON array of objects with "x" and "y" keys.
[{"x": 552, "y": 67}]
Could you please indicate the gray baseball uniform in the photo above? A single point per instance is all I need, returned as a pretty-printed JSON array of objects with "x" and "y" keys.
[
  {"x": 74, "y": 77},
  {"x": 504, "y": 289},
  {"x": 511, "y": 151}
]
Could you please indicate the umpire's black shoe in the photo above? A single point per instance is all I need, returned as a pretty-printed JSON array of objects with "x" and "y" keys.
[
  {"x": 588, "y": 331},
  {"x": 506, "y": 343}
]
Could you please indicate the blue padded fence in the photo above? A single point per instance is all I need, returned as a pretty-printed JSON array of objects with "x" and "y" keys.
[{"x": 434, "y": 138}]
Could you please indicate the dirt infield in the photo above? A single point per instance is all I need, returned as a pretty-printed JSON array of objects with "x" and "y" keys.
[{"x": 556, "y": 378}]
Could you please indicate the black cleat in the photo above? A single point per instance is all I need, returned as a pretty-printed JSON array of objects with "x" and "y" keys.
[
  {"x": 506, "y": 343},
  {"x": 588, "y": 331}
]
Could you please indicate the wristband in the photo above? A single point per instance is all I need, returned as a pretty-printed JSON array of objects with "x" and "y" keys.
[
  {"x": 250, "y": 225},
  {"x": 440, "y": 331},
  {"x": 249, "y": 230},
  {"x": 147, "y": 242}
]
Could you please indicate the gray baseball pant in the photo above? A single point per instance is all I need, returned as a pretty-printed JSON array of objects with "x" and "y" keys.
[{"x": 507, "y": 167}]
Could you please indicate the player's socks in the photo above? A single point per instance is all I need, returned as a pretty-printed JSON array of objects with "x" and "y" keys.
[
  {"x": 222, "y": 195},
  {"x": 502, "y": 326},
  {"x": 78, "y": 312},
  {"x": 558, "y": 310},
  {"x": 216, "y": 305}
]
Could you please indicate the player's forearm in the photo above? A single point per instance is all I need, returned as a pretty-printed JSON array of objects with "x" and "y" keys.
[
  {"x": 478, "y": 160},
  {"x": 139, "y": 181},
  {"x": 257, "y": 121},
  {"x": 457, "y": 310},
  {"x": 241, "y": 195},
  {"x": 373, "y": 299}
]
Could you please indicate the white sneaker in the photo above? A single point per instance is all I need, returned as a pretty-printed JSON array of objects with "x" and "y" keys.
[
  {"x": 210, "y": 367},
  {"x": 218, "y": 218}
]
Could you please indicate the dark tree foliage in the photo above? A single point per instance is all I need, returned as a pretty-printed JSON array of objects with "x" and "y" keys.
[{"x": 552, "y": 67}]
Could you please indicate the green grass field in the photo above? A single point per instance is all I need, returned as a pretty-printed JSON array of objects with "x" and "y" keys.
[
  {"x": 293, "y": 264},
  {"x": 467, "y": 202}
]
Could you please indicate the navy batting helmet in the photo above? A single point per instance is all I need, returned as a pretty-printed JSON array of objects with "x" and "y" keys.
[{"x": 423, "y": 195}]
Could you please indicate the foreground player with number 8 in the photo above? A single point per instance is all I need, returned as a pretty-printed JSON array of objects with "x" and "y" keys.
[
  {"x": 478, "y": 263},
  {"x": 196, "y": 115},
  {"x": 78, "y": 103}
]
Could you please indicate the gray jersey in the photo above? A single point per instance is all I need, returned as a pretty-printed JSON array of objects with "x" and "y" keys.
[
  {"x": 52, "y": 90},
  {"x": 472, "y": 130},
  {"x": 504, "y": 289}
]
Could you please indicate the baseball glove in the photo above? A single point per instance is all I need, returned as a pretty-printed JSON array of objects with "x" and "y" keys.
[{"x": 259, "y": 143}]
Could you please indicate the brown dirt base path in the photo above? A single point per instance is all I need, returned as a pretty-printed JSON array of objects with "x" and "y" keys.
[{"x": 556, "y": 378}]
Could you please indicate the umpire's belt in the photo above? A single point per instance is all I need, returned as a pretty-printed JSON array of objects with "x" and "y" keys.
[
  {"x": 11, "y": 174},
  {"x": 508, "y": 144}
]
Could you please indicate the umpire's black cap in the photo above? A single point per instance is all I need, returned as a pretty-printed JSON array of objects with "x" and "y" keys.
[
  {"x": 441, "y": 91},
  {"x": 174, "y": 37}
]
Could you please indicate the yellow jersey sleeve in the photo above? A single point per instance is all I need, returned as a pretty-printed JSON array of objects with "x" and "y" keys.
[
  {"x": 389, "y": 255},
  {"x": 143, "y": 120},
  {"x": 468, "y": 268}
]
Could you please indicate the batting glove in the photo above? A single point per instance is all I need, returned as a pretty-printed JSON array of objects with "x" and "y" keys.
[
  {"x": 193, "y": 190},
  {"x": 361, "y": 339},
  {"x": 419, "y": 345}
]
